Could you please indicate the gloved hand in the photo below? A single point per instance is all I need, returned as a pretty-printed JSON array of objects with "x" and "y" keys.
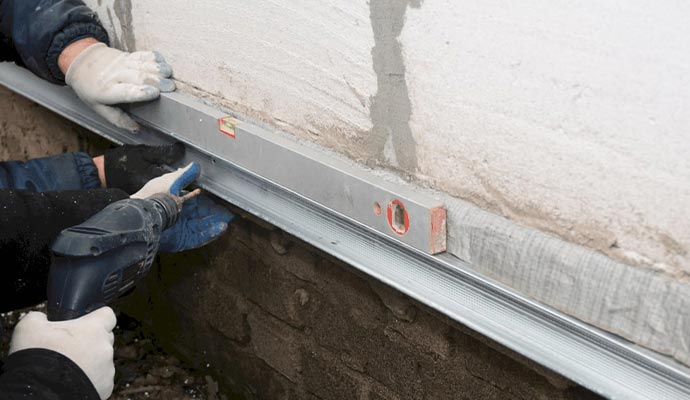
[
  {"x": 103, "y": 76},
  {"x": 172, "y": 182},
  {"x": 129, "y": 167},
  {"x": 87, "y": 341},
  {"x": 202, "y": 220}
]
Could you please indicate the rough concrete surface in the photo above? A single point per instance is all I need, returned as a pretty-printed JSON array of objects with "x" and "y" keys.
[
  {"x": 28, "y": 130},
  {"x": 565, "y": 117}
]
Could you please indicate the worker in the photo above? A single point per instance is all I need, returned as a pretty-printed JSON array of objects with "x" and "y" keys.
[
  {"x": 63, "y": 41},
  {"x": 41, "y": 197},
  {"x": 74, "y": 359}
]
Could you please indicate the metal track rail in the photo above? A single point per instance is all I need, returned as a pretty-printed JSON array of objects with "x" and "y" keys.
[{"x": 601, "y": 362}]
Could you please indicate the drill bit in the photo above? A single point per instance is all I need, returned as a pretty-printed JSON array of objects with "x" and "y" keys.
[
  {"x": 180, "y": 200},
  {"x": 191, "y": 194}
]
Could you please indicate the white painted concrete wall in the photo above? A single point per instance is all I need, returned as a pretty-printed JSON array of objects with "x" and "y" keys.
[
  {"x": 569, "y": 117},
  {"x": 303, "y": 66}
]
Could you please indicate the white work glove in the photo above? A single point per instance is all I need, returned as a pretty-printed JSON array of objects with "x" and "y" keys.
[
  {"x": 87, "y": 341},
  {"x": 172, "y": 182},
  {"x": 103, "y": 76}
]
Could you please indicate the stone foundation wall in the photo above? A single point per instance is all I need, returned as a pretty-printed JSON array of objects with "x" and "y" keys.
[
  {"x": 280, "y": 320},
  {"x": 28, "y": 130}
]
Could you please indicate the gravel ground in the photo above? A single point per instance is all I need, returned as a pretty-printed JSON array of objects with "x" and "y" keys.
[{"x": 144, "y": 371}]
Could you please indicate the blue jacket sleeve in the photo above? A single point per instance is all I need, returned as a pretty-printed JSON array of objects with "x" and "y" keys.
[
  {"x": 40, "y": 29},
  {"x": 69, "y": 171}
]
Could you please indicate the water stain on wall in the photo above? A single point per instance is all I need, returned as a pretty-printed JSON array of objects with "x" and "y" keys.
[
  {"x": 114, "y": 40},
  {"x": 391, "y": 141},
  {"x": 123, "y": 11}
]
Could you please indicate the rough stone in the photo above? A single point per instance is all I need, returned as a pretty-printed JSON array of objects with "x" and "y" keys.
[
  {"x": 380, "y": 392},
  {"x": 277, "y": 344},
  {"x": 28, "y": 130},
  {"x": 280, "y": 242},
  {"x": 399, "y": 304},
  {"x": 427, "y": 334},
  {"x": 327, "y": 378}
]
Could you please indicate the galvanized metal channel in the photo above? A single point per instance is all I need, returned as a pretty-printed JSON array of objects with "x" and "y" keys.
[{"x": 606, "y": 364}]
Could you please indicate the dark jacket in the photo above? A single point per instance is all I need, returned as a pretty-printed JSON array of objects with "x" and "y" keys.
[
  {"x": 37, "y": 374},
  {"x": 38, "y": 199},
  {"x": 34, "y": 32}
]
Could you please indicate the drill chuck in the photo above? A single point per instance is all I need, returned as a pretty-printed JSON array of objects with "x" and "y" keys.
[{"x": 168, "y": 206}]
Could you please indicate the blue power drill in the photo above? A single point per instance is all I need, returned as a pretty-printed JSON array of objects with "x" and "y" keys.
[{"x": 103, "y": 258}]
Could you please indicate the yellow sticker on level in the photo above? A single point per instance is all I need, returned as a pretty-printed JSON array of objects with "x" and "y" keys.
[{"x": 227, "y": 125}]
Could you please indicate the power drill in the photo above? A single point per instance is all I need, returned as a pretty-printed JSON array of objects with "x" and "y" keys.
[{"x": 103, "y": 258}]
